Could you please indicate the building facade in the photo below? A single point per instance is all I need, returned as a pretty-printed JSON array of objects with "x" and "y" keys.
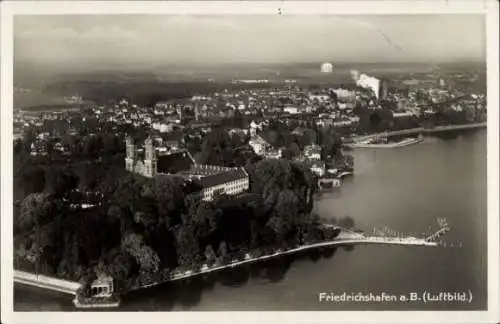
[
  {"x": 214, "y": 180},
  {"x": 148, "y": 166}
]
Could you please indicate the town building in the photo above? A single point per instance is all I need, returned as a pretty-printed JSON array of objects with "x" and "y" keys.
[
  {"x": 214, "y": 180},
  {"x": 318, "y": 168},
  {"x": 217, "y": 180},
  {"x": 312, "y": 152},
  {"x": 259, "y": 145},
  {"x": 291, "y": 110}
]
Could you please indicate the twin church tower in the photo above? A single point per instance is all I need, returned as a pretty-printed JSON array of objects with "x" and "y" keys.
[{"x": 148, "y": 167}]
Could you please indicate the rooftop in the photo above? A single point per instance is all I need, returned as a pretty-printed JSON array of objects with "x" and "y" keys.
[
  {"x": 175, "y": 162},
  {"x": 224, "y": 177}
]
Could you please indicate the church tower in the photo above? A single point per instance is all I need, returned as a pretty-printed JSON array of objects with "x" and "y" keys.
[
  {"x": 131, "y": 154},
  {"x": 150, "y": 162}
]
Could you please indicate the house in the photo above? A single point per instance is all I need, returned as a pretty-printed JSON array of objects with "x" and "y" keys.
[
  {"x": 312, "y": 152},
  {"x": 273, "y": 154},
  {"x": 163, "y": 127},
  {"x": 318, "y": 168},
  {"x": 319, "y": 97},
  {"x": 300, "y": 131},
  {"x": 291, "y": 110},
  {"x": 259, "y": 145}
]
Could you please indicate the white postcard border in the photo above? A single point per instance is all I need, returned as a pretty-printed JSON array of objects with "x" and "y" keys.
[{"x": 490, "y": 8}]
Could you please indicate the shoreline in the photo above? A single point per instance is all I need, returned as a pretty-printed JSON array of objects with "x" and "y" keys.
[
  {"x": 347, "y": 241},
  {"x": 417, "y": 130},
  {"x": 42, "y": 281},
  {"x": 403, "y": 143}
]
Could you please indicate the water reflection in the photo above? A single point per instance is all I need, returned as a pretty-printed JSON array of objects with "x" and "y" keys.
[{"x": 186, "y": 294}]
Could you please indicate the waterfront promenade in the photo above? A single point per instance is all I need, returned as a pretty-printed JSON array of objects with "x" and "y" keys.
[
  {"x": 46, "y": 282},
  {"x": 344, "y": 238},
  {"x": 420, "y": 130}
]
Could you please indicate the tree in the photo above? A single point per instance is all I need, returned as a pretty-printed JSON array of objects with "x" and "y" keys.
[
  {"x": 29, "y": 136},
  {"x": 381, "y": 120},
  {"x": 111, "y": 144},
  {"x": 36, "y": 208},
  {"x": 59, "y": 182},
  {"x": 148, "y": 220},
  {"x": 122, "y": 266},
  {"x": 219, "y": 148},
  {"x": 114, "y": 214},
  {"x": 92, "y": 146},
  {"x": 295, "y": 149},
  {"x": 205, "y": 219},
  {"x": 287, "y": 154},
  {"x": 277, "y": 224},
  {"x": 50, "y": 149},
  {"x": 170, "y": 194},
  {"x": 210, "y": 255},
  {"x": 88, "y": 176},
  {"x": 188, "y": 250},
  {"x": 331, "y": 146},
  {"x": 223, "y": 253},
  {"x": 346, "y": 222},
  {"x": 145, "y": 256},
  {"x": 32, "y": 179}
]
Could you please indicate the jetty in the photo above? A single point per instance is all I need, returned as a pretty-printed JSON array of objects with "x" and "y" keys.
[
  {"x": 46, "y": 282},
  {"x": 369, "y": 143},
  {"x": 419, "y": 130}
]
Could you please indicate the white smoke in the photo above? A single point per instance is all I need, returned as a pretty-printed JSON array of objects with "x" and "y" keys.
[{"x": 366, "y": 81}]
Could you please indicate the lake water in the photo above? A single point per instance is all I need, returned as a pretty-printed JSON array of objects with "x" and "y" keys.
[{"x": 405, "y": 189}]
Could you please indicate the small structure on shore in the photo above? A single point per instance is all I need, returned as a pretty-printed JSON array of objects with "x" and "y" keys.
[
  {"x": 102, "y": 287},
  {"x": 329, "y": 183},
  {"x": 100, "y": 294}
]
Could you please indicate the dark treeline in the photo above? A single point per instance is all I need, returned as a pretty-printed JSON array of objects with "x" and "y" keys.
[
  {"x": 220, "y": 148},
  {"x": 294, "y": 137},
  {"x": 382, "y": 120},
  {"x": 143, "y": 93},
  {"x": 144, "y": 227}
]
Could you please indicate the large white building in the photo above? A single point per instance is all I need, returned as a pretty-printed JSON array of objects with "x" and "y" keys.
[{"x": 217, "y": 180}]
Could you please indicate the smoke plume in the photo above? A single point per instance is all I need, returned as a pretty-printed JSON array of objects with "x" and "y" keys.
[{"x": 366, "y": 81}]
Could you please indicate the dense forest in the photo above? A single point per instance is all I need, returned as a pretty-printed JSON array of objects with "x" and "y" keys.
[{"x": 143, "y": 228}]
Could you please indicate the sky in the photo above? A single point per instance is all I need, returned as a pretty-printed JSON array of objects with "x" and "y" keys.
[{"x": 154, "y": 40}]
